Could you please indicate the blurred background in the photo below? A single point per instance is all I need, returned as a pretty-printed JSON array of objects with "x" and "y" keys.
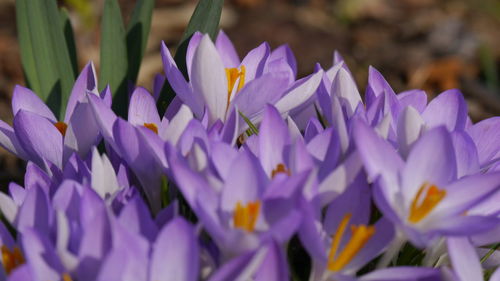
[{"x": 429, "y": 44}]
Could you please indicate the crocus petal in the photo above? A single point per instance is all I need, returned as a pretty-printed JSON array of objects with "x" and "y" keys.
[
  {"x": 142, "y": 108},
  {"x": 85, "y": 83},
  {"x": 345, "y": 88},
  {"x": 136, "y": 218},
  {"x": 301, "y": 92},
  {"x": 177, "y": 125},
  {"x": 255, "y": 61},
  {"x": 448, "y": 108},
  {"x": 105, "y": 118},
  {"x": 9, "y": 141},
  {"x": 194, "y": 42},
  {"x": 486, "y": 136},
  {"x": 244, "y": 183},
  {"x": 254, "y": 96},
  {"x": 431, "y": 161},
  {"x": 409, "y": 128},
  {"x": 273, "y": 137},
  {"x": 226, "y": 49},
  {"x": 41, "y": 257},
  {"x": 82, "y": 132},
  {"x": 103, "y": 180},
  {"x": 208, "y": 77},
  {"x": 8, "y": 207},
  {"x": 285, "y": 52},
  {"x": 23, "y": 98},
  {"x": 464, "y": 259},
  {"x": 39, "y": 138},
  {"x": 34, "y": 213},
  {"x": 175, "y": 253},
  {"x": 179, "y": 84},
  {"x": 465, "y": 153},
  {"x": 414, "y": 98}
]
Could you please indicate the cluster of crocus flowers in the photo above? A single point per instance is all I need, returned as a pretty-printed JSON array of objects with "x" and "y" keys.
[{"x": 252, "y": 174}]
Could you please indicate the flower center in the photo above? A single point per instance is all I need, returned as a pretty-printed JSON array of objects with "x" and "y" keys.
[
  {"x": 232, "y": 75},
  {"x": 11, "y": 259},
  {"x": 422, "y": 205},
  {"x": 280, "y": 168},
  {"x": 66, "y": 277},
  {"x": 361, "y": 234},
  {"x": 61, "y": 126},
  {"x": 245, "y": 217},
  {"x": 152, "y": 127}
]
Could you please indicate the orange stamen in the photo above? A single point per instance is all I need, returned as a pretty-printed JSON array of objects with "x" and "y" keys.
[
  {"x": 152, "y": 127},
  {"x": 62, "y": 127},
  {"x": 232, "y": 75},
  {"x": 245, "y": 217},
  {"x": 421, "y": 207},
  {"x": 280, "y": 168},
  {"x": 361, "y": 234},
  {"x": 11, "y": 259}
]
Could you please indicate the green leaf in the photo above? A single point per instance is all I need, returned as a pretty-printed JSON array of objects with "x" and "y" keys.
[
  {"x": 137, "y": 36},
  {"x": 70, "y": 39},
  {"x": 253, "y": 128},
  {"x": 205, "y": 18},
  {"x": 114, "y": 56},
  {"x": 44, "y": 52}
]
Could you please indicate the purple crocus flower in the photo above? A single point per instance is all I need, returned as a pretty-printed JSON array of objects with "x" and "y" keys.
[
  {"x": 219, "y": 83},
  {"x": 39, "y": 137},
  {"x": 423, "y": 196}
]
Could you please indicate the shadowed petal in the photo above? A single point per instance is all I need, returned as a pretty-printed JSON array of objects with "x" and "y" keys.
[
  {"x": 23, "y": 98},
  {"x": 142, "y": 108},
  {"x": 226, "y": 49},
  {"x": 85, "y": 83},
  {"x": 448, "y": 108}
]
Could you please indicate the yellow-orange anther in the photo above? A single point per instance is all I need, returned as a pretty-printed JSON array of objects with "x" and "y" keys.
[
  {"x": 360, "y": 235},
  {"x": 11, "y": 259},
  {"x": 232, "y": 76},
  {"x": 280, "y": 168},
  {"x": 421, "y": 207},
  {"x": 61, "y": 126},
  {"x": 152, "y": 127},
  {"x": 66, "y": 277},
  {"x": 245, "y": 217}
]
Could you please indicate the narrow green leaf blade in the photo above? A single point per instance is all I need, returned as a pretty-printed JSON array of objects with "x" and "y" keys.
[
  {"x": 252, "y": 126},
  {"x": 44, "y": 52},
  {"x": 113, "y": 69},
  {"x": 205, "y": 19},
  {"x": 137, "y": 36},
  {"x": 70, "y": 39}
]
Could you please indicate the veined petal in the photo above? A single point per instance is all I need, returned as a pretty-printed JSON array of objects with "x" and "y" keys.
[
  {"x": 82, "y": 132},
  {"x": 9, "y": 141},
  {"x": 208, "y": 77},
  {"x": 486, "y": 136},
  {"x": 23, "y": 98},
  {"x": 39, "y": 138},
  {"x": 409, "y": 128},
  {"x": 103, "y": 180},
  {"x": 177, "y": 125},
  {"x": 273, "y": 137},
  {"x": 414, "y": 98},
  {"x": 142, "y": 108},
  {"x": 345, "y": 88},
  {"x": 255, "y": 61},
  {"x": 464, "y": 259}
]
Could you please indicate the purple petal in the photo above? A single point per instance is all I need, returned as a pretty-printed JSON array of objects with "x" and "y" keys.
[
  {"x": 414, "y": 98},
  {"x": 226, "y": 48},
  {"x": 208, "y": 78},
  {"x": 34, "y": 213},
  {"x": 136, "y": 217},
  {"x": 41, "y": 257},
  {"x": 273, "y": 137},
  {"x": 284, "y": 52},
  {"x": 464, "y": 259},
  {"x": 403, "y": 273},
  {"x": 465, "y": 153},
  {"x": 142, "y": 108},
  {"x": 486, "y": 136},
  {"x": 194, "y": 42},
  {"x": 175, "y": 253},
  {"x": 85, "y": 83},
  {"x": 448, "y": 108},
  {"x": 9, "y": 141},
  {"x": 345, "y": 88},
  {"x": 302, "y": 90},
  {"x": 25, "y": 99},
  {"x": 255, "y": 61}
]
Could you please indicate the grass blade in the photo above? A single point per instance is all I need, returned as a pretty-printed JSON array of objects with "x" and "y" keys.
[
  {"x": 137, "y": 36},
  {"x": 113, "y": 63}
]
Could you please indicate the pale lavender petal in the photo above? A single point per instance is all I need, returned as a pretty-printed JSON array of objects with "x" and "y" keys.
[
  {"x": 208, "y": 78},
  {"x": 226, "y": 48},
  {"x": 410, "y": 126},
  {"x": 414, "y": 98},
  {"x": 300, "y": 93},
  {"x": 448, "y": 108},
  {"x": 85, "y": 83},
  {"x": 82, "y": 132},
  {"x": 464, "y": 259},
  {"x": 255, "y": 61},
  {"x": 35, "y": 212},
  {"x": 345, "y": 88},
  {"x": 175, "y": 253},
  {"x": 285, "y": 52},
  {"x": 142, "y": 108},
  {"x": 41, "y": 256},
  {"x": 9, "y": 141},
  {"x": 486, "y": 136},
  {"x": 403, "y": 273},
  {"x": 194, "y": 42},
  {"x": 273, "y": 137},
  {"x": 465, "y": 153},
  {"x": 23, "y": 98}
]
